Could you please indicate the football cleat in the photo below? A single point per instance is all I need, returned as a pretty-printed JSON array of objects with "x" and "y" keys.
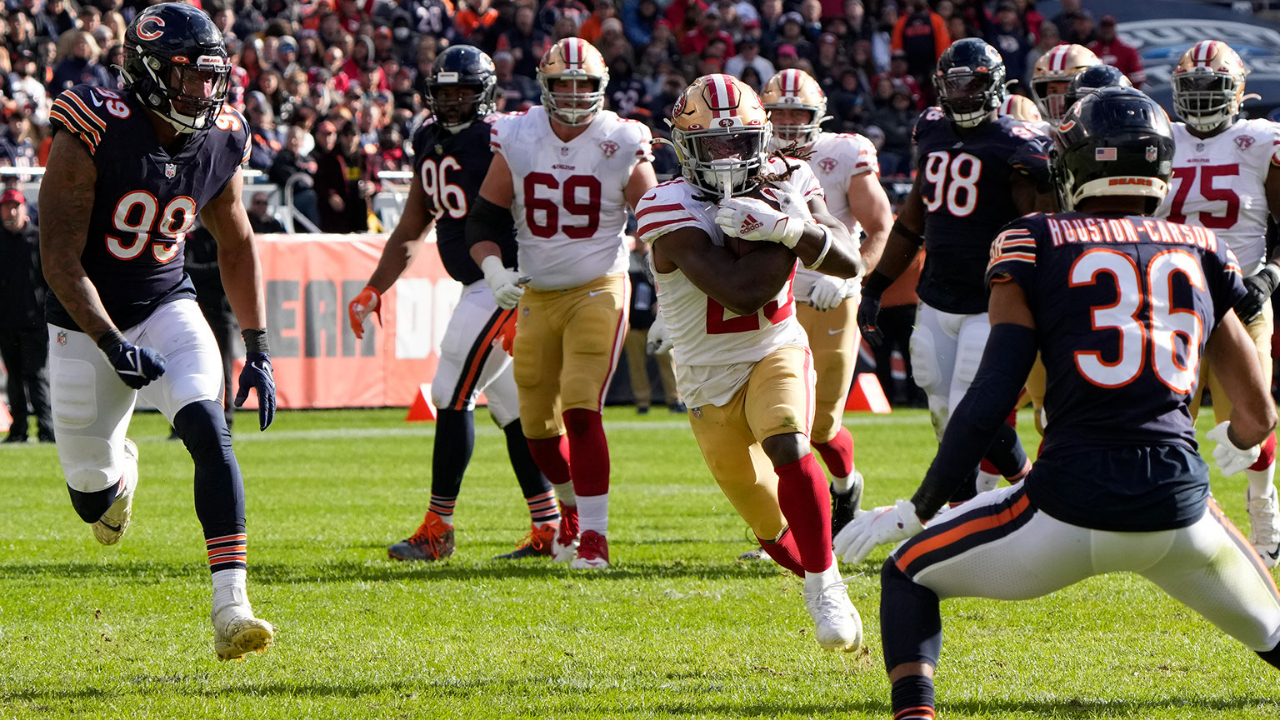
[
  {"x": 846, "y": 506},
  {"x": 1264, "y": 526},
  {"x": 236, "y": 632},
  {"x": 433, "y": 541},
  {"x": 564, "y": 546},
  {"x": 756, "y": 554},
  {"x": 839, "y": 627},
  {"x": 537, "y": 543},
  {"x": 593, "y": 552},
  {"x": 115, "y": 521}
]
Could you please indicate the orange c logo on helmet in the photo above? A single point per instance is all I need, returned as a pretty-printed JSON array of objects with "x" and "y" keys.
[{"x": 146, "y": 34}]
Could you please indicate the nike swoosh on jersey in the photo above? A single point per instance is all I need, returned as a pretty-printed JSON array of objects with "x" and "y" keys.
[
  {"x": 593, "y": 294},
  {"x": 94, "y": 98}
]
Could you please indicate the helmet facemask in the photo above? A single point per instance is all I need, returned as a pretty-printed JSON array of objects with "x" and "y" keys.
[
  {"x": 1206, "y": 99},
  {"x": 1052, "y": 94},
  {"x": 573, "y": 107},
  {"x": 455, "y": 107},
  {"x": 723, "y": 163},
  {"x": 186, "y": 94},
  {"x": 968, "y": 97}
]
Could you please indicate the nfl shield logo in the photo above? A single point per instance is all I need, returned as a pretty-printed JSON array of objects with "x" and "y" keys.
[
  {"x": 1152, "y": 153},
  {"x": 697, "y": 412},
  {"x": 170, "y": 170},
  {"x": 62, "y": 337}
]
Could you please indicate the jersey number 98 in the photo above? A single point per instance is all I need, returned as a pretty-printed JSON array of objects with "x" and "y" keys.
[{"x": 953, "y": 180}]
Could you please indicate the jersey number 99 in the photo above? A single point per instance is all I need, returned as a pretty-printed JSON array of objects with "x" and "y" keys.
[{"x": 137, "y": 212}]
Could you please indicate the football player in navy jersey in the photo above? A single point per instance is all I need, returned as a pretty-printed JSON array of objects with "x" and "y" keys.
[
  {"x": 977, "y": 171},
  {"x": 128, "y": 173},
  {"x": 1123, "y": 309},
  {"x": 451, "y": 157}
]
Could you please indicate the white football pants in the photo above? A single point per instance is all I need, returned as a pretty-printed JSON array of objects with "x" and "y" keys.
[
  {"x": 945, "y": 352},
  {"x": 472, "y": 360}
]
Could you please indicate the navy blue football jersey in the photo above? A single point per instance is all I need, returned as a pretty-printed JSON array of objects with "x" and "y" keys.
[
  {"x": 1123, "y": 308},
  {"x": 145, "y": 200},
  {"x": 966, "y": 184},
  {"x": 451, "y": 168}
]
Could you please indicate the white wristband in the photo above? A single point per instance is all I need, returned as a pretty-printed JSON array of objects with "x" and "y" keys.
[{"x": 826, "y": 246}]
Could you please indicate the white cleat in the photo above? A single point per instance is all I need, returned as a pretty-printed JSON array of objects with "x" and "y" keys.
[
  {"x": 756, "y": 554},
  {"x": 1264, "y": 526},
  {"x": 564, "y": 547},
  {"x": 839, "y": 627},
  {"x": 115, "y": 521},
  {"x": 236, "y": 632}
]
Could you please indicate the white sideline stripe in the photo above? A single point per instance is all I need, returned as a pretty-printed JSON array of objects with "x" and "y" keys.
[{"x": 428, "y": 430}]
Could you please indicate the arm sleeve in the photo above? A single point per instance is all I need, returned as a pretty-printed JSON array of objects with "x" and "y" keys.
[{"x": 487, "y": 221}]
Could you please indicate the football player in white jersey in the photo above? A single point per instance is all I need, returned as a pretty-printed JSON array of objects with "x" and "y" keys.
[
  {"x": 724, "y": 265},
  {"x": 565, "y": 172},
  {"x": 1052, "y": 75},
  {"x": 849, "y": 172},
  {"x": 1226, "y": 177}
]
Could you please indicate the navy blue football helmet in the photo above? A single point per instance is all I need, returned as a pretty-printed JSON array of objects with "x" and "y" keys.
[
  {"x": 1090, "y": 79},
  {"x": 467, "y": 67},
  {"x": 969, "y": 79},
  {"x": 176, "y": 64}
]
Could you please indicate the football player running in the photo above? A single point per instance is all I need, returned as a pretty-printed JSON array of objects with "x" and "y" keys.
[
  {"x": 451, "y": 155},
  {"x": 128, "y": 173},
  {"x": 847, "y": 168},
  {"x": 1122, "y": 309},
  {"x": 742, "y": 362},
  {"x": 1226, "y": 177},
  {"x": 566, "y": 172},
  {"x": 977, "y": 171},
  {"x": 1052, "y": 75}
]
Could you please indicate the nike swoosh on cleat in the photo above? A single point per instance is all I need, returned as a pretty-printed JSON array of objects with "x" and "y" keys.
[
  {"x": 1274, "y": 555},
  {"x": 116, "y": 528}
]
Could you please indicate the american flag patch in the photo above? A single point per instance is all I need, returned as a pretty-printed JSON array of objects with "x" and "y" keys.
[{"x": 1101, "y": 154}]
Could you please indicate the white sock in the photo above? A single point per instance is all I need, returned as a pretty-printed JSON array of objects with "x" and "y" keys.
[
  {"x": 229, "y": 588},
  {"x": 593, "y": 513},
  {"x": 1261, "y": 481},
  {"x": 842, "y": 485},
  {"x": 987, "y": 481},
  {"x": 816, "y": 581},
  {"x": 564, "y": 493}
]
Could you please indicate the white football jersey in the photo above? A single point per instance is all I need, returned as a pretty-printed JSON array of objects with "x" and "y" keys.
[
  {"x": 1220, "y": 183},
  {"x": 714, "y": 348},
  {"x": 837, "y": 158},
  {"x": 570, "y": 208}
]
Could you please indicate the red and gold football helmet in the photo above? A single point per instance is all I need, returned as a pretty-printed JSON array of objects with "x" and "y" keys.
[
  {"x": 721, "y": 133},
  {"x": 1020, "y": 108},
  {"x": 1053, "y": 73},
  {"x": 576, "y": 60},
  {"x": 795, "y": 90},
  {"x": 1208, "y": 85}
]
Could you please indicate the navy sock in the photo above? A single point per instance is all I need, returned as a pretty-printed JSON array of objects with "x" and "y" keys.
[
  {"x": 913, "y": 698},
  {"x": 1272, "y": 656},
  {"x": 219, "y": 488},
  {"x": 532, "y": 481},
  {"x": 90, "y": 506},
  {"x": 910, "y": 619},
  {"x": 455, "y": 439},
  {"x": 1006, "y": 452}
]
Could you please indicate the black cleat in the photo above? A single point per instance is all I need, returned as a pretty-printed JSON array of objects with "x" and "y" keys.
[{"x": 847, "y": 506}]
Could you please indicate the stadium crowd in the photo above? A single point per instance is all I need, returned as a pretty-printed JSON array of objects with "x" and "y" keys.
[{"x": 333, "y": 90}]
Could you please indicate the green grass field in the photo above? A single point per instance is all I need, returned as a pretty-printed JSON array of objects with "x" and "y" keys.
[{"x": 678, "y": 627}]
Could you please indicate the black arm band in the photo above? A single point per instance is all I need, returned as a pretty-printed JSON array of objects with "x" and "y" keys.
[
  {"x": 488, "y": 221},
  {"x": 1010, "y": 353},
  {"x": 877, "y": 283},
  {"x": 916, "y": 238},
  {"x": 109, "y": 340},
  {"x": 255, "y": 341}
]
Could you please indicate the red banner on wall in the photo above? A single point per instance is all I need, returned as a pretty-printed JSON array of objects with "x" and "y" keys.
[{"x": 318, "y": 361}]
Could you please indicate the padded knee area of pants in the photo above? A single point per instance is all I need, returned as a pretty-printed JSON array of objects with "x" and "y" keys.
[
  {"x": 924, "y": 359},
  {"x": 74, "y": 399},
  {"x": 203, "y": 429},
  {"x": 969, "y": 357},
  {"x": 87, "y": 463}
]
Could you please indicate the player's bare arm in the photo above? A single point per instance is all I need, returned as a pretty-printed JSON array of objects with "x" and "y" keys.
[
  {"x": 1231, "y": 353},
  {"x": 743, "y": 285},
  {"x": 870, "y": 207},
  {"x": 1027, "y": 199},
  {"x": 228, "y": 222},
  {"x": 906, "y": 236},
  {"x": 406, "y": 239},
  {"x": 66, "y": 201},
  {"x": 642, "y": 180}
]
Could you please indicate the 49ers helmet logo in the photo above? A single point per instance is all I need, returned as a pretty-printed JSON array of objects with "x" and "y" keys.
[{"x": 148, "y": 34}]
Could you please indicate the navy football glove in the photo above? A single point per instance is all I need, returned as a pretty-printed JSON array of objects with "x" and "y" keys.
[
  {"x": 257, "y": 375},
  {"x": 868, "y": 316},
  {"x": 135, "y": 365},
  {"x": 1258, "y": 290}
]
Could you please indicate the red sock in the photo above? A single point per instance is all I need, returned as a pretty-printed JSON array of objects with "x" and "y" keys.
[
  {"x": 784, "y": 552},
  {"x": 588, "y": 452},
  {"x": 805, "y": 500},
  {"x": 552, "y": 456},
  {"x": 838, "y": 453},
  {"x": 1268, "y": 454}
]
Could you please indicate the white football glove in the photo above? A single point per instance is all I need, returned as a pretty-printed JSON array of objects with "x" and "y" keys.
[
  {"x": 659, "y": 341},
  {"x": 1231, "y": 459},
  {"x": 827, "y": 292},
  {"x": 755, "y": 220},
  {"x": 889, "y": 524},
  {"x": 505, "y": 284}
]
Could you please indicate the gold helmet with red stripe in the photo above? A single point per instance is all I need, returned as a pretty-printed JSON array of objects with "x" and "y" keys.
[
  {"x": 1052, "y": 74},
  {"x": 1208, "y": 85},
  {"x": 721, "y": 133},
  {"x": 795, "y": 90},
  {"x": 577, "y": 61},
  {"x": 1020, "y": 108}
]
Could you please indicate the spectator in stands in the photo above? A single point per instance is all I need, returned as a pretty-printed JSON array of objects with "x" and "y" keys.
[
  {"x": 1066, "y": 19},
  {"x": 1049, "y": 39},
  {"x": 17, "y": 146},
  {"x": 591, "y": 29},
  {"x": 830, "y": 64},
  {"x": 26, "y": 88},
  {"x": 921, "y": 35},
  {"x": 1008, "y": 36},
  {"x": 515, "y": 92},
  {"x": 293, "y": 160},
  {"x": 78, "y": 53},
  {"x": 848, "y": 101},
  {"x": 525, "y": 42},
  {"x": 262, "y": 131},
  {"x": 708, "y": 29},
  {"x": 770, "y": 19},
  {"x": 896, "y": 121},
  {"x": 749, "y": 56},
  {"x": 638, "y": 19},
  {"x": 260, "y": 217},
  {"x": 898, "y": 74},
  {"x": 811, "y": 17},
  {"x": 1082, "y": 29},
  {"x": 24, "y": 339},
  {"x": 1111, "y": 50},
  {"x": 791, "y": 32},
  {"x": 625, "y": 93},
  {"x": 200, "y": 261}
]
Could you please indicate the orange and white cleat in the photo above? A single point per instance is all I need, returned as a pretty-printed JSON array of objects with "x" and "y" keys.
[
  {"x": 433, "y": 541},
  {"x": 538, "y": 543}
]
